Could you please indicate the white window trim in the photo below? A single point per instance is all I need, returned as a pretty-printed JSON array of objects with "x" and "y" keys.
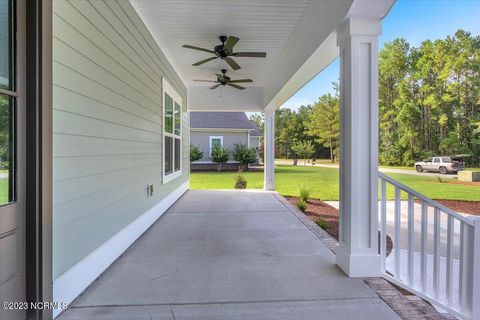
[
  {"x": 210, "y": 138},
  {"x": 168, "y": 89}
]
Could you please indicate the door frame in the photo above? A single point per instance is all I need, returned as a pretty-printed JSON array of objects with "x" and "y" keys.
[{"x": 38, "y": 171}]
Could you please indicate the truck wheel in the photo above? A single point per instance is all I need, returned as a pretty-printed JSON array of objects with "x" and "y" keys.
[
  {"x": 419, "y": 168},
  {"x": 443, "y": 170}
]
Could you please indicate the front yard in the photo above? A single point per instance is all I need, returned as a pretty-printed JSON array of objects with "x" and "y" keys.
[{"x": 324, "y": 183}]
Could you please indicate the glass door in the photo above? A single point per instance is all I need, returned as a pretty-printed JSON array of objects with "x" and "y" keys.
[{"x": 12, "y": 235}]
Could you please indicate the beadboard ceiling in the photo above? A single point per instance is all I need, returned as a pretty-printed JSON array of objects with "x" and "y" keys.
[{"x": 260, "y": 25}]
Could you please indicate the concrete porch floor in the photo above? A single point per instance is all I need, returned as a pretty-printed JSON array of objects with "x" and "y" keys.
[{"x": 228, "y": 255}]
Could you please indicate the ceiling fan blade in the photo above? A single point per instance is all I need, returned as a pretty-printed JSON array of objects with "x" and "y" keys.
[
  {"x": 203, "y": 61},
  {"x": 197, "y": 48},
  {"x": 241, "y": 80},
  {"x": 236, "y": 86},
  {"x": 230, "y": 43},
  {"x": 215, "y": 86},
  {"x": 232, "y": 63},
  {"x": 250, "y": 54},
  {"x": 204, "y": 81}
]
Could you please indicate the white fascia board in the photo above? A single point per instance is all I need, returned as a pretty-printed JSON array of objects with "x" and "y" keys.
[{"x": 201, "y": 98}]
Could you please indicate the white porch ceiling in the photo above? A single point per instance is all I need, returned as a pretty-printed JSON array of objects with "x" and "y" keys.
[
  {"x": 260, "y": 25},
  {"x": 289, "y": 31}
]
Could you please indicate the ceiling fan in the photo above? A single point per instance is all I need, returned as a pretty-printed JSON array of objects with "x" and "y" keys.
[
  {"x": 224, "y": 51},
  {"x": 224, "y": 80}
]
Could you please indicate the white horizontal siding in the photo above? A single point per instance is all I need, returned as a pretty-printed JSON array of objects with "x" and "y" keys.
[{"x": 107, "y": 75}]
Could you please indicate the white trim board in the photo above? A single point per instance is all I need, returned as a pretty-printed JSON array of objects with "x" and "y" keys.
[
  {"x": 219, "y": 130},
  {"x": 73, "y": 282}
]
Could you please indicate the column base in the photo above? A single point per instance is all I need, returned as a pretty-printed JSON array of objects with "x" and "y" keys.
[
  {"x": 269, "y": 186},
  {"x": 359, "y": 265}
]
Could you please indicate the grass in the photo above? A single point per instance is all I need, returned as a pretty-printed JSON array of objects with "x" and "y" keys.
[
  {"x": 3, "y": 190},
  {"x": 324, "y": 183},
  {"x": 398, "y": 167}
]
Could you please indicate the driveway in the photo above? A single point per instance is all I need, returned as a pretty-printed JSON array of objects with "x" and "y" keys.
[
  {"x": 387, "y": 170},
  {"x": 228, "y": 255}
]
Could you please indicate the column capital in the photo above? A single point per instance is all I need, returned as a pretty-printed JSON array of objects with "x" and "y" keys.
[{"x": 358, "y": 26}]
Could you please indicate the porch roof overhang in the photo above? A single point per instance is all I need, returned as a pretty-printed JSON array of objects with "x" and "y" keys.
[{"x": 299, "y": 37}]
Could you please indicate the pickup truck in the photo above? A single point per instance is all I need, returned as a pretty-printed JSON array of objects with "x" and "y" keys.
[{"x": 443, "y": 164}]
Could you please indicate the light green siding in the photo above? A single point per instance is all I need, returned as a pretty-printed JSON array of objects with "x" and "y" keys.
[{"x": 107, "y": 99}]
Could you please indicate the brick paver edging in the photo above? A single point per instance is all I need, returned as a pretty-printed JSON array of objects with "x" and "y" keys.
[{"x": 407, "y": 307}]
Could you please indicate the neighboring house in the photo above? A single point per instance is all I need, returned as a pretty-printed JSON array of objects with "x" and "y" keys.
[
  {"x": 255, "y": 136},
  {"x": 225, "y": 129}
]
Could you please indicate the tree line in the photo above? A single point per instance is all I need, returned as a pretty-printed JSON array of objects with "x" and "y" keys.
[{"x": 429, "y": 104}]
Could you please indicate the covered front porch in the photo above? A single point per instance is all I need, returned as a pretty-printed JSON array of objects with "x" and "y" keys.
[{"x": 228, "y": 255}]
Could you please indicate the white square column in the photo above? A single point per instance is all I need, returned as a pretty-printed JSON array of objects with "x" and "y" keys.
[
  {"x": 357, "y": 254},
  {"x": 269, "y": 151}
]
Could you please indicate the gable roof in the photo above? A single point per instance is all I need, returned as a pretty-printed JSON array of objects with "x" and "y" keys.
[
  {"x": 255, "y": 132},
  {"x": 220, "y": 120}
]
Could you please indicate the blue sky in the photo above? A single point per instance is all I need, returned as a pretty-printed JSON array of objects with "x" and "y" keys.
[{"x": 414, "y": 20}]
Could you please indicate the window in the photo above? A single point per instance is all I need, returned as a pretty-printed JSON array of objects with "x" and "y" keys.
[
  {"x": 8, "y": 99},
  {"x": 215, "y": 141},
  {"x": 436, "y": 160},
  {"x": 429, "y": 160},
  {"x": 172, "y": 133},
  {"x": 446, "y": 160}
]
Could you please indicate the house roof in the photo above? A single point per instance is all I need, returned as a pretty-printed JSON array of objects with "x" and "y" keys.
[
  {"x": 255, "y": 132},
  {"x": 220, "y": 120}
]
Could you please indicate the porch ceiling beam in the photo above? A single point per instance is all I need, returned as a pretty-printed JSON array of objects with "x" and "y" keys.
[
  {"x": 310, "y": 49},
  {"x": 314, "y": 45}
]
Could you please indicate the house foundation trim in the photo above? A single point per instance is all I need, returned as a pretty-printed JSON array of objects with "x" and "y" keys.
[{"x": 73, "y": 282}]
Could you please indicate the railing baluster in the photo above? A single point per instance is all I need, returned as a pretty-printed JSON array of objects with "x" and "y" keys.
[
  {"x": 461, "y": 266},
  {"x": 423, "y": 260},
  {"x": 396, "y": 242},
  {"x": 411, "y": 229},
  {"x": 436, "y": 253},
  {"x": 449, "y": 273},
  {"x": 383, "y": 213},
  {"x": 467, "y": 276}
]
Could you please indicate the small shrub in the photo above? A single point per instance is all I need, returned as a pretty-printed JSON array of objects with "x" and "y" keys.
[
  {"x": 302, "y": 205},
  {"x": 240, "y": 181},
  {"x": 244, "y": 155},
  {"x": 219, "y": 155},
  {"x": 441, "y": 180},
  {"x": 322, "y": 224},
  {"x": 304, "y": 191},
  {"x": 195, "y": 153}
]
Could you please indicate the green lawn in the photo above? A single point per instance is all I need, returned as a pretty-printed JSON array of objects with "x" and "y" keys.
[
  {"x": 3, "y": 190},
  {"x": 398, "y": 167},
  {"x": 324, "y": 183}
]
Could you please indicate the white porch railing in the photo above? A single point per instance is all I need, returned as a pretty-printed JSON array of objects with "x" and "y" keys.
[{"x": 436, "y": 251}]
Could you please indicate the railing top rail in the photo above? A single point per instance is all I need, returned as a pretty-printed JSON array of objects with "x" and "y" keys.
[{"x": 425, "y": 199}]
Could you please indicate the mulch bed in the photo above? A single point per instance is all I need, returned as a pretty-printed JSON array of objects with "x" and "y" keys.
[
  {"x": 467, "y": 183},
  {"x": 317, "y": 209},
  {"x": 470, "y": 207}
]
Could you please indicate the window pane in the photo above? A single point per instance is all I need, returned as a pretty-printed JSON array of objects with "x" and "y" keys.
[
  {"x": 7, "y": 177},
  {"x": 216, "y": 143},
  {"x": 168, "y": 114},
  {"x": 177, "y": 119},
  {"x": 177, "y": 155},
  {"x": 168, "y": 155},
  {"x": 6, "y": 45}
]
